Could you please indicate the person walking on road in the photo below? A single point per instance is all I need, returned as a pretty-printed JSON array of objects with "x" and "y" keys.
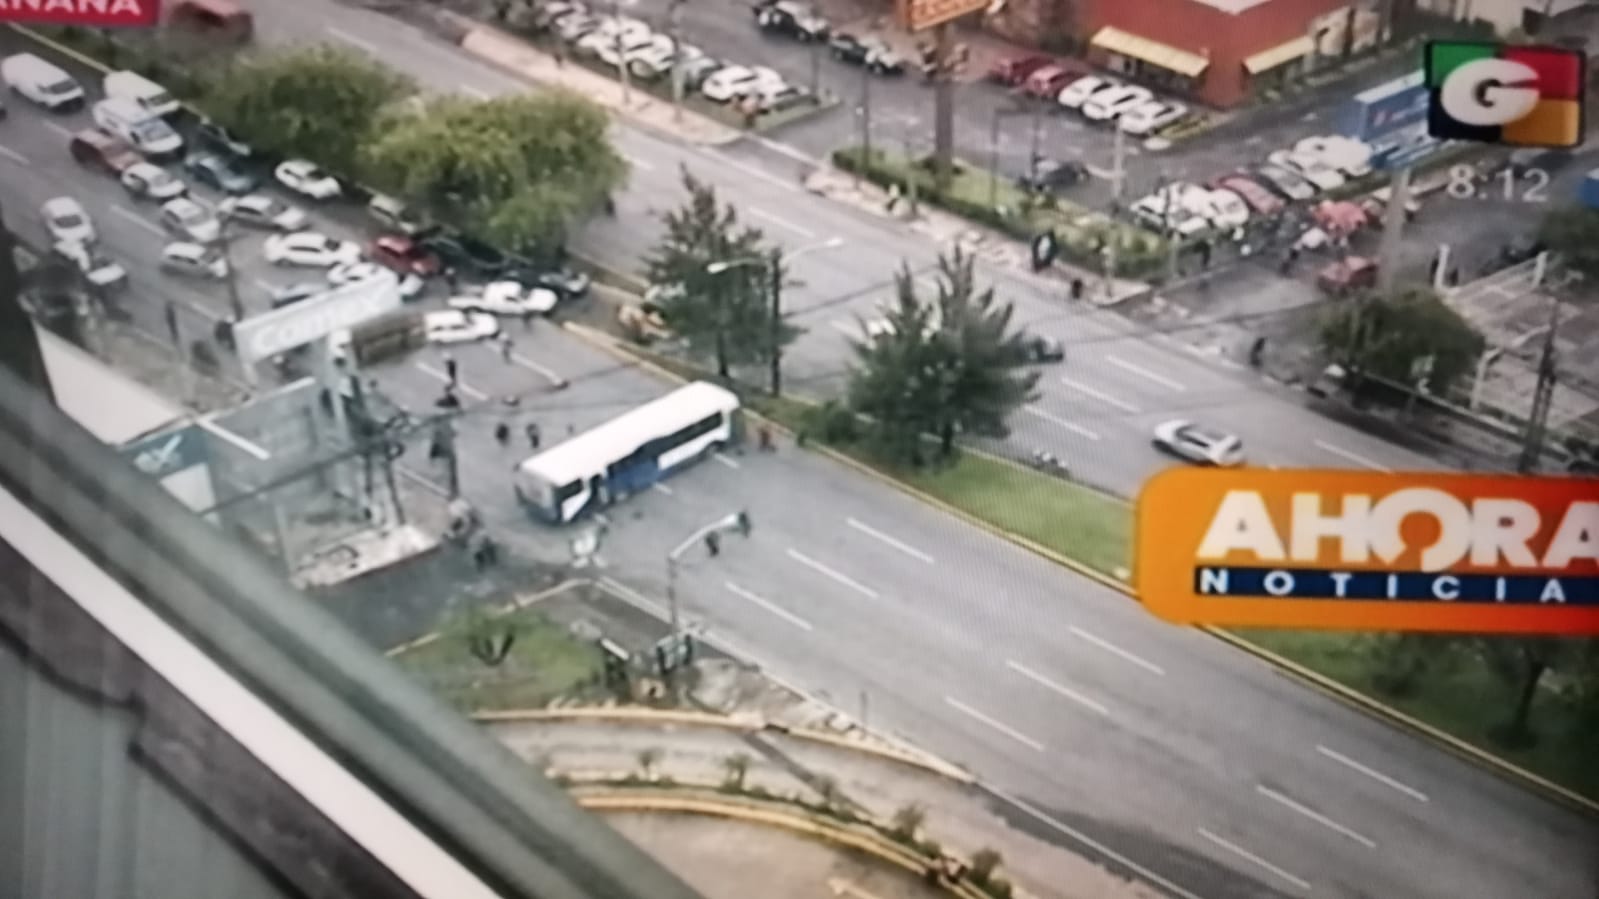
[
  {"x": 502, "y": 434},
  {"x": 506, "y": 346},
  {"x": 450, "y": 371},
  {"x": 532, "y": 432}
]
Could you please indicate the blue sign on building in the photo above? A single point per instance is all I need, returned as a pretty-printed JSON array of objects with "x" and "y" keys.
[
  {"x": 166, "y": 453},
  {"x": 1391, "y": 118}
]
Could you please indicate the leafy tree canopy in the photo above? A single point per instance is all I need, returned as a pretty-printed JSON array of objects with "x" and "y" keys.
[
  {"x": 1390, "y": 336},
  {"x": 1573, "y": 232},
  {"x": 317, "y": 102},
  {"x": 515, "y": 170}
]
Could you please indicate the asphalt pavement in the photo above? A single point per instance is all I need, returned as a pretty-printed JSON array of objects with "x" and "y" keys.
[{"x": 1197, "y": 767}]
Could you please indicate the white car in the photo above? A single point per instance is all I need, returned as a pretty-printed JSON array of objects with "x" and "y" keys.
[
  {"x": 1074, "y": 95},
  {"x": 615, "y": 51},
  {"x": 508, "y": 298},
  {"x": 1309, "y": 167},
  {"x": 1107, "y": 105},
  {"x": 261, "y": 211},
  {"x": 656, "y": 59},
  {"x": 66, "y": 221},
  {"x": 1150, "y": 117},
  {"x": 96, "y": 268},
  {"x": 309, "y": 248},
  {"x": 1222, "y": 208},
  {"x": 456, "y": 326},
  {"x": 304, "y": 178},
  {"x": 187, "y": 258},
  {"x": 1151, "y": 210},
  {"x": 608, "y": 32},
  {"x": 1202, "y": 446},
  {"x": 149, "y": 181},
  {"x": 1349, "y": 156},
  {"x": 186, "y": 218},
  {"x": 736, "y": 81},
  {"x": 350, "y": 272}
]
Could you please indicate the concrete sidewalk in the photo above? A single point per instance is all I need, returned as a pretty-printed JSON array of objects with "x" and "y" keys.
[{"x": 963, "y": 819}]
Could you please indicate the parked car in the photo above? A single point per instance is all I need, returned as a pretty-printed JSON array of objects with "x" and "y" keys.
[
  {"x": 1347, "y": 275},
  {"x": 309, "y": 248},
  {"x": 1049, "y": 80},
  {"x": 657, "y": 59},
  {"x": 92, "y": 263},
  {"x": 869, "y": 52},
  {"x": 507, "y": 298},
  {"x": 148, "y": 181},
  {"x": 1261, "y": 200},
  {"x": 67, "y": 221},
  {"x": 261, "y": 211},
  {"x": 403, "y": 255},
  {"x": 297, "y": 292},
  {"x": 1202, "y": 446},
  {"x": 568, "y": 284},
  {"x": 193, "y": 259},
  {"x": 1150, "y": 117},
  {"x": 1050, "y": 175},
  {"x": 41, "y": 82},
  {"x": 96, "y": 149},
  {"x": 608, "y": 31},
  {"x": 1287, "y": 184},
  {"x": 307, "y": 179},
  {"x": 186, "y": 218},
  {"x": 362, "y": 270},
  {"x": 456, "y": 326},
  {"x": 1222, "y": 208},
  {"x": 1343, "y": 154},
  {"x": 575, "y": 26},
  {"x": 1044, "y": 349},
  {"x": 1012, "y": 71},
  {"x": 619, "y": 51},
  {"x": 1108, "y": 105},
  {"x": 147, "y": 133},
  {"x": 464, "y": 254},
  {"x": 217, "y": 139},
  {"x": 775, "y": 99},
  {"x": 1309, "y": 167},
  {"x": 1074, "y": 95},
  {"x": 737, "y": 81},
  {"x": 1164, "y": 212},
  {"x": 394, "y": 215},
  {"x": 216, "y": 172},
  {"x": 796, "y": 20}
]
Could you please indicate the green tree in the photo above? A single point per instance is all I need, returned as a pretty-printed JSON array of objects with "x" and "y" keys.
[
  {"x": 1392, "y": 336},
  {"x": 515, "y": 171},
  {"x": 320, "y": 103},
  {"x": 722, "y": 312},
  {"x": 984, "y": 863},
  {"x": 488, "y": 637},
  {"x": 1573, "y": 232},
  {"x": 1521, "y": 663},
  {"x": 948, "y": 366}
]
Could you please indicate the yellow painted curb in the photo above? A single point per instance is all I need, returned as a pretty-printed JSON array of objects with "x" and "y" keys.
[{"x": 872, "y": 844}]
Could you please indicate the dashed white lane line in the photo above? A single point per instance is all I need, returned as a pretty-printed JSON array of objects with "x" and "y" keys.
[
  {"x": 640, "y": 164},
  {"x": 530, "y": 365},
  {"x": 59, "y": 129},
  {"x": 351, "y": 39},
  {"x": 905, "y": 548},
  {"x": 660, "y": 488},
  {"x": 1245, "y": 854},
  {"x": 1048, "y": 684},
  {"x": 730, "y": 463},
  {"x": 724, "y": 159},
  {"x": 1372, "y": 773},
  {"x": 460, "y": 385},
  {"x": 1000, "y": 726},
  {"x": 1146, "y": 374},
  {"x": 1101, "y": 396},
  {"x": 137, "y": 219},
  {"x": 781, "y": 222},
  {"x": 1352, "y": 456},
  {"x": 1113, "y": 649},
  {"x": 844, "y": 579},
  {"x": 13, "y": 155},
  {"x": 1315, "y": 816},
  {"x": 770, "y": 606},
  {"x": 1072, "y": 426}
]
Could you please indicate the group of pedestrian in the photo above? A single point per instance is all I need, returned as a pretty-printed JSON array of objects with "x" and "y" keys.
[{"x": 502, "y": 434}]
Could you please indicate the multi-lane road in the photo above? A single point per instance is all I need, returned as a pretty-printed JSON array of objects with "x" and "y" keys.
[{"x": 1157, "y": 749}]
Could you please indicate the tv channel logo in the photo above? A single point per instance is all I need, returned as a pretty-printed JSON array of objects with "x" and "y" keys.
[
  {"x": 1361, "y": 550},
  {"x": 1500, "y": 94}
]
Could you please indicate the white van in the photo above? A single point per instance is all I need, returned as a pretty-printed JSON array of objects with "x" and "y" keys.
[
  {"x": 41, "y": 82},
  {"x": 151, "y": 97},
  {"x": 148, "y": 134}
]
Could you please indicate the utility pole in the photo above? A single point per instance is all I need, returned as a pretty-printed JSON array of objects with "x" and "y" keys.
[
  {"x": 1117, "y": 161},
  {"x": 621, "y": 64},
  {"x": 1393, "y": 226},
  {"x": 677, "y": 59},
  {"x": 1542, "y": 394},
  {"x": 993, "y": 161},
  {"x": 866, "y": 120},
  {"x": 775, "y": 332},
  {"x": 943, "y": 108},
  {"x": 1038, "y": 126},
  {"x": 226, "y": 239},
  {"x": 738, "y": 521},
  {"x": 816, "y": 71},
  {"x": 910, "y": 183}
]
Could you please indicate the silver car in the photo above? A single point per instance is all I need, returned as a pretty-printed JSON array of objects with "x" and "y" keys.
[{"x": 1199, "y": 445}]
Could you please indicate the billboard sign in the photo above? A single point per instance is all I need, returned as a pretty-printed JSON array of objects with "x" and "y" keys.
[
  {"x": 263, "y": 336},
  {"x": 168, "y": 452},
  {"x": 1366, "y": 551},
  {"x": 920, "y": 15},
  {"x": 1385, "y": 111},
  {"x": 1512, "y": 96},
  {"x": 92, "y": 13}
]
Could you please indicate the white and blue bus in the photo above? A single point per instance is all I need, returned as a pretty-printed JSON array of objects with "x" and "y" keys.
[{"x": 626, "y": 454}]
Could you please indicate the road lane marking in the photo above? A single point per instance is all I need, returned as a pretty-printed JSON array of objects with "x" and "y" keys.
[
  {"x": 781, "y": 222},
  {"x": 1057, "y": 420},
  {"x": 1245, "y": 854},
  {"x": 1048, "y": 684},
  {"x": 1315, "y": 816},
  {"x": 475, "y": 92},
  {"x": 640, "y": 164},
  {"x": 658, "y": 487},
  {"x": 730, "y": 463},
  {"x": 770, "y": 606},
  {"x": 464, "y": 387},
  {"x": 1000, "y": 726},
  {"x": 1101, "y": 396},
  {"x": 137, "y": 219},
  {"x": 529, "y": 364},
  {"x": 351, "y": 39},
  {"x": 1372, "y": 773},
  {"x": 1112, "y": 648},
  {"x": 905, "y": 548},
  {"x": 848, "y": 329},
  {"x": 60, "y": 129},
  {"x": 421, "y": 481},
  {"x": 636, "y": 598},
  {"x": 1145, "y": 373},
  {"x": 13, "y": 155},
  {"x": 750, "y": 170},
  {"x": 1352, "y": 456},
  {"x": 847, "y": 581}
]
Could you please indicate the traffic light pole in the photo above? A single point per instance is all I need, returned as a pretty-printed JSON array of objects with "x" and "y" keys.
[{"x": 738, "y": 521}]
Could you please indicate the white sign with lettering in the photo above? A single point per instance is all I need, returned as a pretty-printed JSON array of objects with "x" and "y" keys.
[{"x": 263, "y": 336}]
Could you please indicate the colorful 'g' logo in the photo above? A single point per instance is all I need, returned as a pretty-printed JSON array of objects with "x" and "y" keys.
[{"x": 1516, "y": 96}]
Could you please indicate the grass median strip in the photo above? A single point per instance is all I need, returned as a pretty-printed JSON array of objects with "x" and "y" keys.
[{"x": 544, "y": 662}]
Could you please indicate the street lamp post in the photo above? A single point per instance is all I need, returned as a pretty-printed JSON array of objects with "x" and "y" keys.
[
  {"x": 775, "y": 269},
  {"x": 737, "y": 521}
]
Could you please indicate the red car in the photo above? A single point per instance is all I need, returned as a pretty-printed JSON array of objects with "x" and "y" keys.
[
  {"x": 1014, "y": 70},
  {"x": 1046, "y": 83},
  {"x": 403, "y": 255},
  {"x": 1261, "y": 200}
]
